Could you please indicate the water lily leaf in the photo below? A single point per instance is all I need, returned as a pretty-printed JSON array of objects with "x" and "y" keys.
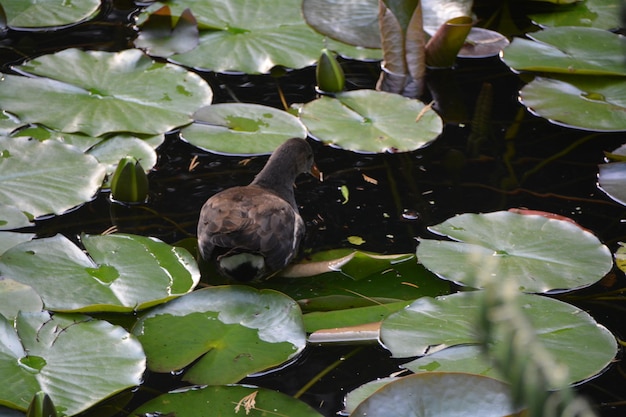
[
  {"x": 541, "y": 254},
  {"x": 120, "y": 272},
  {"x": 41, "y": 352},
  {"x": 242, "y": 129},
  {"x": 248, "y": 36},
  {"x": 158, "y": 37},
  {"x": 483, "y": 43},
  {"x": 8, "y": 123},
  {"x": 227, "y": 332},
  {"x": 97, "y": 92},
  {"x": 430, "y": 325},
  {"x": 443, "y": 47},
  {"x": 10, "y": 239},
  {"x": 359, "y": 279},
  {"x": 319, "y": 320},
  {"x": 620, "y": 257},
  {"x": 45, "y": 13},
  {"x": 465, "y": 395},
  {"x": 49, "y": 177},
  {"x": 12, "y": 218},
  {"x": 568, "y": 50},
  {"x": 371, "y": 121},
  {"x": 601, "y": 14},
  {"x": 111, "y": 150},
  {"x": 563, "y": 100},
  {"x": 612, "y": 177},
  {"x": 225, "y": 401},
  {"x": 16, "y": 297},
  {"x": 353, "y": 22},
  {"x": 359, "y": 394}
]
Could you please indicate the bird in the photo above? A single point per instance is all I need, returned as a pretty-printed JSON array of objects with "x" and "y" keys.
[{"x": 254, "y": 231}]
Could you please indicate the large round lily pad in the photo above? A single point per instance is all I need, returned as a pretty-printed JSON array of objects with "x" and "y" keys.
[
  {"x": 439, "y": 394},
  {"x": 225, "y": 333},
  {"x": 601, "y": 14},
  {"x": 612, "y": 176},
  {"x": 242, "y": 129},
  {"x": 539, "y": 253},
  {"x": 121, "y": 272},
  {"x": 46, "y": 13},
  {"x": 371, "y": 121},
  {"x": 225, "y": 401},
  {"x": 76, "y": 360},
  {"x": 97, "y": 92},
  {"x": 583, "y": 102},
  {"x": 43, "y": 178},
  {"x": 570, "y": 335}
]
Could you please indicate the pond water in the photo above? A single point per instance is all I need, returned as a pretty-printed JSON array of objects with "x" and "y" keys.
[{"x": 523, "y": 161}]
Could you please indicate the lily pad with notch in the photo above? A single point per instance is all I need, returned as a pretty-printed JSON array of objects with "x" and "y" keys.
[
  {"x": 48, "y": 13},
  {"x": 242, "y": 129}
]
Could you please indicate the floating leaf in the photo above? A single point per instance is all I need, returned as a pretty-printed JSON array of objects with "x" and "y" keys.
[
  {"x": 563, "y": 100},
  {"x": 42, "y": 351},
  {"x": 227, "y": 332},
  {"x": 16, "y": 297},
  {"x": 541, "y": 254},
  {"x": 121, "y": 272},
  {"x": 620, "y": 257},
  {"x": 158, "y": 37},
  {"x": 46, "y": 13},
  {"x": 10, "y": 239},
  {"x": 568, "y": 50},
  {"x": 96, "y": 92},
  {"x": 601, "y": 14},
  {"x": 371, "y": 121},
  {"x": 430, "y": 325},
  {"x": 612, "y": 177},
  {"x": 225, "y": 401},
  {"x": 12, "y": 218},
  {"x": 483, "y": 43},
  {"x": 418, "y": 395},
  {"x": 242, "y": 129},
  {"x": 49, "y": 177}
]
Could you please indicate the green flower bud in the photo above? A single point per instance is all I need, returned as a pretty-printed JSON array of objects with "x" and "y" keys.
[
  {"x": 130, "y": 182},
  {"x": 329, "y": 75},
  {"x": 41, "y": 406}
]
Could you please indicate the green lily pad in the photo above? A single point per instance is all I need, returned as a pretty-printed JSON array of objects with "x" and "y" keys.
[
  {"x": 242, "y": 129},
  {"x": 12, "y": 218},
  {"x": 10, "y": 239},
  {"x": 227, "y": 332},
  {"x": 620, "y": 256},
  {"x": 601, "y": 14},
  {"x": 16, "y": 297},
  {"x": 612, "y": 177},
  {"x": 49, "y": 177},
  {"x": 159, "y": 35},
  {"x": 225, "y": 401},
  {"x": 97, "y": 92},
  {"x": 371, "y": 121},
  {"x": 46, "y": 13},
  {"x": 121, "y": 272},
  {"x": 466, "y": 395},
  {"x": 568, "y": 50},
  {"x": 8, "y": 123},
  {"x": 248, "y": 36},
  {"x": 359, "y": 279},
  {"x": 58, "y": 354},
  {"x": 429, "y": 325},
  {"x": 589, "y": 103},
  {"x": 541, "y": 254}
]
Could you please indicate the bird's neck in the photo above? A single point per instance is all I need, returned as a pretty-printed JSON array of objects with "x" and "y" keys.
[{"x": 278, "y": 179}]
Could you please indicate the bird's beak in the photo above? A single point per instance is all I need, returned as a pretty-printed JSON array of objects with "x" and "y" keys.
[{"x": 316, "y": 173}]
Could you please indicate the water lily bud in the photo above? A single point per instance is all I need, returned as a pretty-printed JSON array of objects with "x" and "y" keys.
[
  {"x": 329, "y": 75},
  {"x": 41, "y": 406},
  {"x": 130, "y": 182}
]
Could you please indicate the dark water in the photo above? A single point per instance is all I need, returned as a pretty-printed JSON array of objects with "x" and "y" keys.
[{"x": 413, "y": 190}]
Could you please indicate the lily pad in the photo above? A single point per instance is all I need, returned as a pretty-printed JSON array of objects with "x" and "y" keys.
[
  {"x": 8, "y": 123},
  {"x": 121, "y": 272},
  {"x": 358, "y": 279},
  {"x": 97, "y": 92},
  {"x": 12, "y": 218},
  {"x": 225, "y": 333},
  {"x": 56, "y": 354},
  {"x": 541, "y": 254},
  {"x": 430, "y": 325},
  {"x": 371, "y": 121},
  {"x": 242, "y": 129},
  {"x": 583, "y": 102},
  {"x": 248, "y": 36},
  {"x": 225, "y": 401},
  {"x": 49, "y": 177},
  {"x": 568, "y": 50},
  {"x": 10, "y": 239},
  {"x": 601, "y": 14},
  {"x": 16, "y": 297},
  {"x": 421, "y": 395},
  {"x": 612, "y": 177},
  {"x": 46, "y": 13}
]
